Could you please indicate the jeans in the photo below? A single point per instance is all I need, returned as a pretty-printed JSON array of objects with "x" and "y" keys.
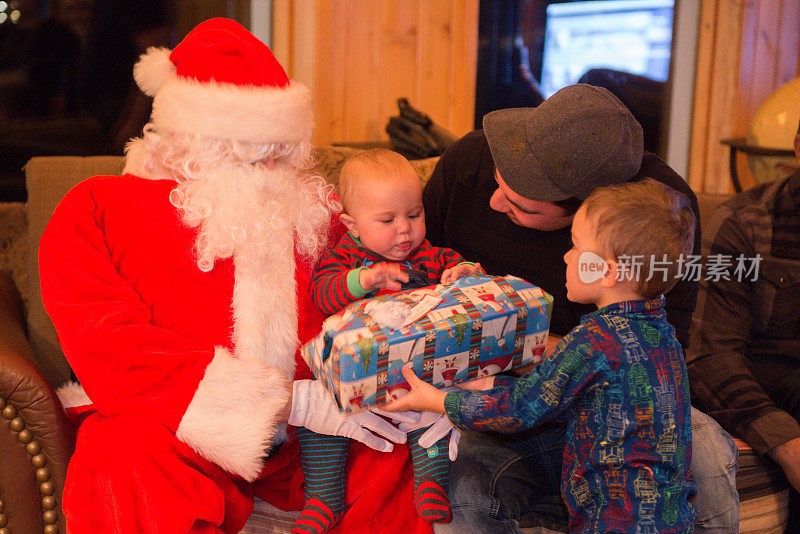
[
  {"x": 714, "y": 466},
  {"x": 498, "y": 480},
  {"x": 499, "y": 483},
  {"x": 786, "y": 394}
]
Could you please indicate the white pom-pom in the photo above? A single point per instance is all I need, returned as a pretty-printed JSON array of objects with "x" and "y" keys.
[{"x": 152, "y": 69}]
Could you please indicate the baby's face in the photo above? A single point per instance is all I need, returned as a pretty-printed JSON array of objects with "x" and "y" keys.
[{"x": 388, "y": 215}]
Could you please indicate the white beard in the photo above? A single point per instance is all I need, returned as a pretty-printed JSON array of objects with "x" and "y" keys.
[{"x": 255, "y": 213}]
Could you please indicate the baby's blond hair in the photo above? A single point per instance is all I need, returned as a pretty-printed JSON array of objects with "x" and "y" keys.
[
  {"x": 647, "y": 220},
  {"x": 376, "y": 163}
]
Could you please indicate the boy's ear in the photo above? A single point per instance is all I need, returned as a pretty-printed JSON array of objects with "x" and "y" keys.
[
  {"x": 350, "y": 223},
  {"x": 611, "y": 277}
]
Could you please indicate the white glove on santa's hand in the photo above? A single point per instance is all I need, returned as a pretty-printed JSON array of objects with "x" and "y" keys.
[
  {"x": 313, "y": 408},
  {"x": 440, "y": 425}
]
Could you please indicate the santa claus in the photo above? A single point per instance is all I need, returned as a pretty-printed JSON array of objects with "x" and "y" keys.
[{"x": 180, "y": 293}]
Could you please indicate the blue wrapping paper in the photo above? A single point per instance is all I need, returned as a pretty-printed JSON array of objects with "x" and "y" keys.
[{"x": 482, "y": 326}]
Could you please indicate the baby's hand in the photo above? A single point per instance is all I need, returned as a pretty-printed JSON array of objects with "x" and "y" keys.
[
  {"x": 462, "y": 269},
  {"x": 382, "y": 276}
]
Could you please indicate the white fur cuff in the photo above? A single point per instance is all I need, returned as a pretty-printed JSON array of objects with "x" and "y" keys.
[
  {"x": 234, "y": 414},
  {"x": 72, "y": 395}
]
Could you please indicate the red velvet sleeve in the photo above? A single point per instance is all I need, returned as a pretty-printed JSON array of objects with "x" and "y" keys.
[{"x": 124, "y": 362}]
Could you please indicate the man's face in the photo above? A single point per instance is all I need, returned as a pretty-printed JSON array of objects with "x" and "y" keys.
[{"x": 528, "y": 213}]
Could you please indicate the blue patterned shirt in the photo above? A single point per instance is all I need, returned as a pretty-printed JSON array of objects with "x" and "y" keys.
[{"x": 620, "y": 380}]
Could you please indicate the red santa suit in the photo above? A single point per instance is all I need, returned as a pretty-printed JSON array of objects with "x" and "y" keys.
[{"x": 188, "y": 371}]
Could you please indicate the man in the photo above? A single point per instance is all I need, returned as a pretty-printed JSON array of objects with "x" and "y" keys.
[
  {"x": 180, "y": 293},
  {"x": 505, "y": 197},
  {"x": 744, "y": 357}
]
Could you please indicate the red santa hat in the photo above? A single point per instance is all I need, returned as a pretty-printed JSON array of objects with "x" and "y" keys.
[{"x": 221, "y": 81}]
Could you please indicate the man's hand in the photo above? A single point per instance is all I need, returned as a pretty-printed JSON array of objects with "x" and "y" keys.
[
  {"x": 382, "y": 276},
  {"x": 788, "y": 457},
  {"x": 462, "y": 269},
  {"x": 312, "y": 407},
  {"x": 422, "y": 397}
]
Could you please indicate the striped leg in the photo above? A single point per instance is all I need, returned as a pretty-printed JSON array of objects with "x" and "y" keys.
[
  {"x": 323, "y": 458},
  {"x": 431, "y": 471}
]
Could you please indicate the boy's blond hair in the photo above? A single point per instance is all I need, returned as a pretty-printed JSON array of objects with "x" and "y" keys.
[
  {"x": 373, "y": 163},
  {"x": 646, "y": 220}
]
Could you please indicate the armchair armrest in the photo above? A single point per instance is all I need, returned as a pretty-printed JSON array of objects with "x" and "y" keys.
[{"x": 35, "y": 437}]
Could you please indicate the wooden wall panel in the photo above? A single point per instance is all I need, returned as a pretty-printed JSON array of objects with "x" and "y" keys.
[
  {"x": 716, "y": 92},
  {"x": 362, "y": 55},
  {"x": 746, "y": 50},
  {"x": 359, "y": 56}
]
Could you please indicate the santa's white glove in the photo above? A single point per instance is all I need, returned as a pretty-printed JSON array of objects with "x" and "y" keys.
[
  {"x": 313, "y": 408},
  {"x": 440, "y": 426}
]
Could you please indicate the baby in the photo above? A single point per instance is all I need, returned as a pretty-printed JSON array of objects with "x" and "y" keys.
[
  {"x": 385, "y": 247},
  {"x": 384, "y": 250}
]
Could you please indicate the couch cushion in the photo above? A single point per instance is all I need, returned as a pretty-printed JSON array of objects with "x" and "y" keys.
[
  {"x": 763, "y": 493},
  {"x": 708, "y": 202},
  {"x": 48, "y": 179},
  {"x": 328, "y": 161},
  {"x": 13, "y": 243}
]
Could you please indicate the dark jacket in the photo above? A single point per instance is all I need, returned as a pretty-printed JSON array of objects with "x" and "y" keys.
[{"x": 744, "y": 359}]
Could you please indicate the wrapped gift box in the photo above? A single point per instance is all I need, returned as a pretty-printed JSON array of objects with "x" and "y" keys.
[{"x": 479, "y": 326}]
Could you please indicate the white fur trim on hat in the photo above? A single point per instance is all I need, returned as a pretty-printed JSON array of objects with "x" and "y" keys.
[
  {"x": 228, "y": 111},
  {"x": 234, "y": 415}
]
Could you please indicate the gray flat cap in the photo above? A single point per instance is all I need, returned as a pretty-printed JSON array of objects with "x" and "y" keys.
[{"x": 579, "y": 139}]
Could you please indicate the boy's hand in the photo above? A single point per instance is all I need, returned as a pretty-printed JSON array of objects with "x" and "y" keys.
[
  {"x": 478, "y": 384},
  {"x": 462, "y": 269},
  {"x": 382, "y": 276},
  {"x": 422, "y": 397}
]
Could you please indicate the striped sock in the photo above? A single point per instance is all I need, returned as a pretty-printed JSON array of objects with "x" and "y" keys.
[
  {"x": 323, "y": 458},
  {"x": 431, "y": 471}
]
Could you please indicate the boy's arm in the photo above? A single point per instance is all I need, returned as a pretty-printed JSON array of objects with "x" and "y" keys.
[
  {"x": 447, "y": 258},
  {"x": 330, "y": 290},
  {"x": 452, "y": 265},
  {"x": 514, "y": 404},
  {"x": 336, "y": 283}
]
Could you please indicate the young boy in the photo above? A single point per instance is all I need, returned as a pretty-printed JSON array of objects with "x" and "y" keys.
[
  {"x": 384, "y": 250},
  {"x": 619, "y": 377}
]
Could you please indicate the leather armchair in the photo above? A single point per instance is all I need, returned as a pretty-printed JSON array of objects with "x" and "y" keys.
[
  {"x": 35, "y": 437},
  {"x": 36, "y": 440}
]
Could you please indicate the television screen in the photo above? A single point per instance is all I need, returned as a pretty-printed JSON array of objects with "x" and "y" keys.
[{"x": 627, "y": 35}]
